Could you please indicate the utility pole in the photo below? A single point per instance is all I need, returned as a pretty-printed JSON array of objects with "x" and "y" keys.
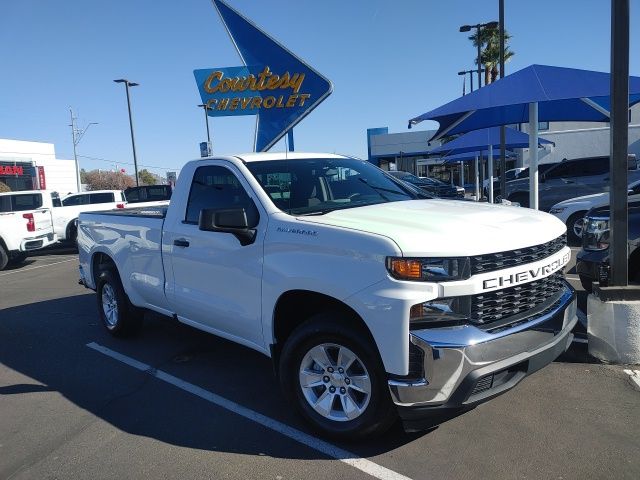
[{"x": 76, "y": 136}]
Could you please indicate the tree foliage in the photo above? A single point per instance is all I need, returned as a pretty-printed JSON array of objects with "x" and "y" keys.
[
  {"x": 106, "y": 180},
  {"x": 146, "y": 177},
  {"x": 4, "y": 187},
  {"x": 490, "y": 51}
]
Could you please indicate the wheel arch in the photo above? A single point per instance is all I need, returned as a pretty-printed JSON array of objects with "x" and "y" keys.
[{"x": 294, "y": 307}]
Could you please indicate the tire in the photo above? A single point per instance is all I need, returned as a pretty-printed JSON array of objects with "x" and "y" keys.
[
  {"x": 521, "y": 198},
  {"x": 118, "y": 315},
  {"x": 18, "y": 258},
  {"x": 4, "y": 257},
  {"x": 314, "y": 354},
  {"x": 586, "y": 283},
  {"x": 72, "y": 235},
  {"x": 572, "y": 224}
]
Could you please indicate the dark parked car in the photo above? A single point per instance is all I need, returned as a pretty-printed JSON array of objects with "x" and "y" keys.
[
  {"x": 430, "y": 185},
  {"x": 595, "y": 243},
  {"x": 568, "y": 179}
]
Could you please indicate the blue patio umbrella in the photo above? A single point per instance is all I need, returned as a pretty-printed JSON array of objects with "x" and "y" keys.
[
  {"x": 535, "y": 93},
  {"x": 486, "y": 139}
]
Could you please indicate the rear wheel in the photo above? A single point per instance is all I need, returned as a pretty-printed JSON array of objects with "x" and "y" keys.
[
  {"x": 574, "y": 228},
  {"x": 18, "y": 258},
  {"x": 334, "y": 376},
  {"x": 118, "y": 315}
]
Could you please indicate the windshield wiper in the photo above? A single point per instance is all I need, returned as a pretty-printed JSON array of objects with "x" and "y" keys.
[{"x": 380, "y": 189}]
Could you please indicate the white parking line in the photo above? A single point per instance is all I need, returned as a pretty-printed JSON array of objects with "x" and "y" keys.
[
  {"x": 328, "y": 449},
  {"x": 34, "y": 268},
  {"x": 634, "y": 378}
]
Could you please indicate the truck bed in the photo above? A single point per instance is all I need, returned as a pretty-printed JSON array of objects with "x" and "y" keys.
[{"x": 139, "y": 212}]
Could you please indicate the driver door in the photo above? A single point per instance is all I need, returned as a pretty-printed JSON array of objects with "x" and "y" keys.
[{"x": 217, "y": 281}]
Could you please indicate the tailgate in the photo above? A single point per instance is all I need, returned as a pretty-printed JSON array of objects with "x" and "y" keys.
[{"x": 42, "y": 219}]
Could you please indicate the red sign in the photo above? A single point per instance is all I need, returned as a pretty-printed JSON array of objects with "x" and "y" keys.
[
  {"x": 11, "y": 170},
  {"x": 42, "y": 180}
]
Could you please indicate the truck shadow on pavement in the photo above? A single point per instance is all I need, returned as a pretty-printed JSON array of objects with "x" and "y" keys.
[{"x": 47, "y": 342}]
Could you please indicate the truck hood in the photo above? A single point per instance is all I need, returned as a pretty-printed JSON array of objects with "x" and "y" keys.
[{"x": 448, "y": 227}]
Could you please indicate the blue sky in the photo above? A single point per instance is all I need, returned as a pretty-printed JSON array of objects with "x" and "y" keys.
[{"x": 388, "y": 60}]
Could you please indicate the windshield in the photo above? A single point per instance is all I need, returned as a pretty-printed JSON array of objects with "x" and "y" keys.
[{"x": 317, "y": 186}]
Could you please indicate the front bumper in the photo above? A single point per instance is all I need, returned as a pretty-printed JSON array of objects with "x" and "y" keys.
[
  {"x": 465, "y": 366},
  {"x": 38, "y": 242},
  {"x": 588, "y": 261}
]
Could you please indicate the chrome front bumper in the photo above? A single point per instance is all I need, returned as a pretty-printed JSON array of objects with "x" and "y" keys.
[{"x": 464, "y": 366}]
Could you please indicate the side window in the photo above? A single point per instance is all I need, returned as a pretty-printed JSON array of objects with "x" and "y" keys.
[
  {"x": 75, "y": 200},
  {"x": 107, "y": 197},
  {"x": 55, "y": 200},
  {"x": 217, "y": 187},
  {"x": 133, "y": 195},
  {"x": 596, "y": 166},
  {"x": 565, "y": 169}
]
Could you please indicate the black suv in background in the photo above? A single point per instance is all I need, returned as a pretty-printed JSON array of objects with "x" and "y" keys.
[
  {"x": 430, "y": 185},
  {"x": 595, "y": 243},
  {"x": 568, "y": 179}
]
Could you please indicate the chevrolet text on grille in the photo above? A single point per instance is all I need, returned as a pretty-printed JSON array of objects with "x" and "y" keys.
[{"x": 526, "y": 275}]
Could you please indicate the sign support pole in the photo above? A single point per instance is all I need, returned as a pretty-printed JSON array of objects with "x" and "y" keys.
[
  {"x": 290, "y": 140},
  {"x": 533, "y": 155},
  {"x": 619, "y": 141}
]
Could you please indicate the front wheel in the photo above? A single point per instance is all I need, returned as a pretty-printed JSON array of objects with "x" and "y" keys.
[
  {"x": 574, "y": 228},
  {"x": 4, "y": 257},
  {"x": 334, "y": 376}
]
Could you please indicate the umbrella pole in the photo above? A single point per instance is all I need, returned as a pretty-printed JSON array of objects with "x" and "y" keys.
[
  {"x": 477, "y": 179},
  {"x": 462, "y": 174},
  {"x": 533, "y": 155},
  {"x": 490, "y": 173}
]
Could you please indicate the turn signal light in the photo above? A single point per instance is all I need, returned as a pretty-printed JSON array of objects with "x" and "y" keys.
[
  {"x": 409, "y": 269},
  {"x": 31, "y": 224}
]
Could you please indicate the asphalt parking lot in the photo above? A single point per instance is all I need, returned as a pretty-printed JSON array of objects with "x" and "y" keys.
[{"x": 178, "y": 403}]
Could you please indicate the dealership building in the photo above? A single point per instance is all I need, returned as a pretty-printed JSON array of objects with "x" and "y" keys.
[
  {"x": 409, "y": 151},
  {"x": 33, "y": 166}
]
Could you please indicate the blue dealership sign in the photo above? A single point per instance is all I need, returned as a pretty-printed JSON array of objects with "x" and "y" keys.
[{"x": 274, "y": 84}]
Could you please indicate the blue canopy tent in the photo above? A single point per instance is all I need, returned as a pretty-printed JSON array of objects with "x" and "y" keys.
[
  {"x": 535, "y": 93},
  {"x": 486, "y": 139}
]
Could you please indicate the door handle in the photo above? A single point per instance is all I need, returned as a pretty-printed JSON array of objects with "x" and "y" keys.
[{"x": 181, "y": 242}]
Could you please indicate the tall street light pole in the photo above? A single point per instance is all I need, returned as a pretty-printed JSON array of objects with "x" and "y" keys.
[
  {"x": 479, "y": 27},
  {"x": 128, "y": 84},
  {"x": 206, "y": 107}
]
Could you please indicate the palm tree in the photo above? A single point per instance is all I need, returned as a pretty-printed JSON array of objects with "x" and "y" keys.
[{"x": 490, "y": 51}]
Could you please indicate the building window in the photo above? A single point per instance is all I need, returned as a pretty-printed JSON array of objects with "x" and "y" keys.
[{"x": 543, "y": 126}]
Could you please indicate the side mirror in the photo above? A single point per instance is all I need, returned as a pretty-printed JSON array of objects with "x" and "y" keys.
[{"x": 228, "y": 220}]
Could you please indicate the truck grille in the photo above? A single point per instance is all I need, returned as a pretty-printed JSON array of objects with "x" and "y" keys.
[
  {"x": 498, "y": 261},
  {"x": 487, "y": 308}
]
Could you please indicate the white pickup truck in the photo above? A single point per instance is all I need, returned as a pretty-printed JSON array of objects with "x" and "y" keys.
[
  {"x": 371, "y": 299},
  {"x": 25, "y": 224}
]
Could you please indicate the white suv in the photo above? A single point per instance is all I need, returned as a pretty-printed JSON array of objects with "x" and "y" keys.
[
  {"x": 66, "y": 214},
  {"x": 25, "y": 224}
]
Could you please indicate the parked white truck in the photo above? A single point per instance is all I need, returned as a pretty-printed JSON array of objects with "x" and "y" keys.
[
  {"x": 371, "y": 299},
  {"x": 25, "y": 224}
]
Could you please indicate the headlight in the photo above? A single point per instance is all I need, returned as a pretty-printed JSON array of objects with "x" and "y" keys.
[
  {"x": 595, "y": 234},
  {"x": 429, "y": 269},
  {"x": 557, "y": 209},
  {"x": 444, "y": 311}
]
